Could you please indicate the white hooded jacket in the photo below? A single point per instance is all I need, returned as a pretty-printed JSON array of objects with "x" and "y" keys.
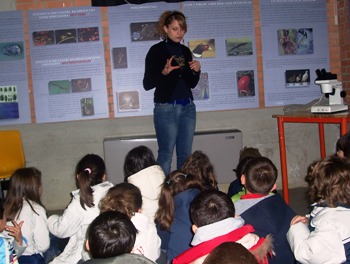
[
  {"x": 147, "y": 240},
  {"x": 149, "y": 181},
  {"x": 74, "y": 223}
]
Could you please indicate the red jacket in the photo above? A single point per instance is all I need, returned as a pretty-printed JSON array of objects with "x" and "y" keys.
[{"x": 260, "y": 249}]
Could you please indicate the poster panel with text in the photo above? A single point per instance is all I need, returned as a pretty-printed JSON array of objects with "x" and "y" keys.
[
  {"x": 221, "y": 36},
  {"x": 67, "y": 61},
  {"x": 294, "y": 45},
  {"x": 14, "y": 93},
  {"x": 132, "y": 31},
  {"x": 224, "y": 44}
]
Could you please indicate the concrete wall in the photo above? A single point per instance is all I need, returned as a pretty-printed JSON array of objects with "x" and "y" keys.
[{"x": 56, "y": 148}]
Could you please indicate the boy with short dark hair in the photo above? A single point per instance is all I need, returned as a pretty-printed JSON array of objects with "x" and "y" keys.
[
  {"x": 214, "y": 222},
  {"x": 111, "y": 238},
  {"x": 266, "y": 211}
]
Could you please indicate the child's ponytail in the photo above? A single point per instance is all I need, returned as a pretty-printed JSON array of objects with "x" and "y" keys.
[
  {"x": 90, "y": 171},
  {"x": 86, "y": 191}
]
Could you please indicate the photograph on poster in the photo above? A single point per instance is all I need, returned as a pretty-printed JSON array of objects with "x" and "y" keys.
[
  {"x": 43, "y": 38},
  {"x": 11, "y": 51},
  {"x": 64, "y": 36},
  {"x": 297, "y": 78},
  {"x": 9, "y": 102},
  {"x": 295, "y": 41},
  {"x": 245, "y": 83},
  {"x": 201, "y": 91},
  {"x": 239, "y": 46},
  {"x": 81, "y": 85},
  {"x": 88, "y": 34},
  {"x": 119, "y": 57},
  {"x": 87, "y": 106},
  {"x": 144, "y": 31},
  {"x": 59, "y": 87},
  {"x": 128, "y": 101},
  {"x": 202, "y": 48}
]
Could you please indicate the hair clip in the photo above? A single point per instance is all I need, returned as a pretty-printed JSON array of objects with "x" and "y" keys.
[
  {"x": 88, "y": 170},
  {"x": 168, "y": 182},
  {"x": 185, "y": 175}
]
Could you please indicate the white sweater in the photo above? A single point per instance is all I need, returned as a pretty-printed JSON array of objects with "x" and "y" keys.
[
  {"x": 74, "y": 223},
  {"x": 34, "y": 229},
  {"x": 326, "y": 243},
  {"x": 149, "y": 182},
  {"x": 147, "y": 240}
]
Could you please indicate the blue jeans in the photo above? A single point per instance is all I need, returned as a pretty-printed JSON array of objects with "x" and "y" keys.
[{"x": 175, "y": 125}]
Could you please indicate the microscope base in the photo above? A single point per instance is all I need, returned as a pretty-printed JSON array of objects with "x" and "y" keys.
[{"x": 329, "y": 108}]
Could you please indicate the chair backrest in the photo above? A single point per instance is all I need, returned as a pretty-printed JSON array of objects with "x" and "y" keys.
[{"x": 11, "y": 152}]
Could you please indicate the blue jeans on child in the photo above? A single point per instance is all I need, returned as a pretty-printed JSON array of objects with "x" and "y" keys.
[{"x": 175, "y": 125}]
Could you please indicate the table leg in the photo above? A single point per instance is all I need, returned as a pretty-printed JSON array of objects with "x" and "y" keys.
[
  {"x": 283, "y": 155},
  {"x": 321, "y": 138},
  {"x": 343, "y": 127}
]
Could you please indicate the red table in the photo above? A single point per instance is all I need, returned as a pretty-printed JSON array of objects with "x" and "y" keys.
[{"x": 342, "y": 119}]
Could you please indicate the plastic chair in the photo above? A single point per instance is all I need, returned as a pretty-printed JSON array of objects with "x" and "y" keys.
[{"x": 11, "y": 156}]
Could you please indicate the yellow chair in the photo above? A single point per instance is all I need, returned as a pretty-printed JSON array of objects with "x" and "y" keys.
[{"x": 11, "y": 156}]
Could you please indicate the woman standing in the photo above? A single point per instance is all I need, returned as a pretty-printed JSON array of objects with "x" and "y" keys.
[{"x": 170, "y": 69}]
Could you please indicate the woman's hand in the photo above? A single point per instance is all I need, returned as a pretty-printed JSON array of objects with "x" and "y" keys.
[
  {"x": 168, "y": 68},
  {"x": 195, "y": 65},
  {"x": 15, "y": 231}
]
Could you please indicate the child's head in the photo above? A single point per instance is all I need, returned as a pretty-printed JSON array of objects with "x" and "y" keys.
[
  {"x": 211, "y": 206},
  {"x": 90, "y": 170},
  {"x": 25, "y": 184},
  {"x": 249, "y": 152},
  {"x": 259, "y": 176},
  {"x": 199, "y": 165},
  {"x": 343, "y": 146},
  {"x": 110, "y": 234},
  {"x": 230, "y": 253},
  {"x": 329, "y": 182},
  {"x": 137, "y": 159},
  {"x": 123, "y": 197},
  {"x": 174, "y": 183}
]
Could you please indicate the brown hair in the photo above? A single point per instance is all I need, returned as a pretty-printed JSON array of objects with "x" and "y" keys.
[
  {"x": 260, "y": 175},
  {"x": 249, "y": 152},
  {"x": 25, "y": 184},
  {"x": 230, "y": 253},
  {"x": 343, "y": 144},
  {"x": 175, "y": 183},
  {"x": 199, "y": 165},
  {"x": 90, "y": 171},
  {"x": 330, "y": 182},
  {"x": 167, "y": 18},
  {"x": 123, "y": 197}
]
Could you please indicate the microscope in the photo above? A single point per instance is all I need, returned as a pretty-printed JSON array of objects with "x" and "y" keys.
[{"x": 333, "y": 94}]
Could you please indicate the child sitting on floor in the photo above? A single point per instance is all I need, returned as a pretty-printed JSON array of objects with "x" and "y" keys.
[
  {"x": 236, "y": 188},
  {"x": 10, "y": 251},
  {"x": 214, "y": 222},
  {"x": 142, "y": 170},
  {"x": 173, "y": 216},
  {"x": 266, "y": 211},
  {"x": 126, "y": 198},
  {"x": 110, "y": 239},
  {"x": 324, "y": 236}
]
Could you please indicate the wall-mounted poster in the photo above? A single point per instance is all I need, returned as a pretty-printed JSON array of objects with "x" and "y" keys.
[
  {"x": 224, "y": 44},
  {"x": 14, "y": 96},
  {"x": 68, "y": 64},
  {"x": 294, "y": 45}
]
